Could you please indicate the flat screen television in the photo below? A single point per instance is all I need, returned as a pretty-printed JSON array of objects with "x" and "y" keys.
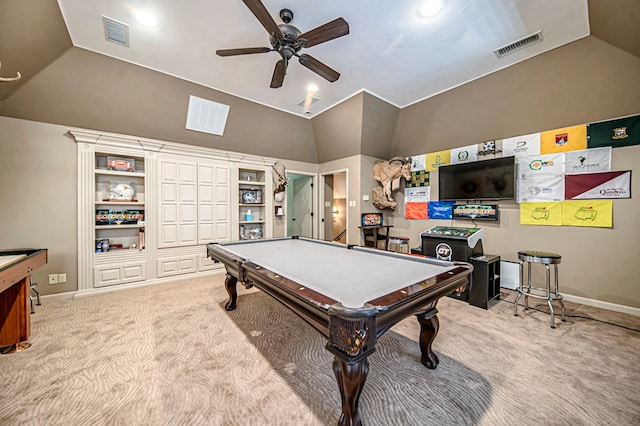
[{"x": 492, "y": 179}]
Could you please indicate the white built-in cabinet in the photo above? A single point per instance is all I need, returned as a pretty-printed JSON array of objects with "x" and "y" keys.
[
  {"x": 187, "y": 197},
  {"x": 194, "y": 210}
]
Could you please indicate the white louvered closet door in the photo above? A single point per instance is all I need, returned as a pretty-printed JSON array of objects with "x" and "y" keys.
[{"x": 213, "y": 203}]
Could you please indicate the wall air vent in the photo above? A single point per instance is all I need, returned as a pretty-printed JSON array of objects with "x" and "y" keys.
[
  {"x": 206, "y": 116},
  {"x": 519, "y": 44},
  {"x": 115, "y": 31}
]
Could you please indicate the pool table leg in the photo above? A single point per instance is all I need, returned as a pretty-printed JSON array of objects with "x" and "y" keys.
[
  {"x": 429, "y": 325},
  {"x": 230, "y": 285},
  {"x": 351, "y": 377}
]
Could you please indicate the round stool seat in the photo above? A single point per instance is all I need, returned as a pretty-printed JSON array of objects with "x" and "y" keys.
[{"x": 539, "y": 257}]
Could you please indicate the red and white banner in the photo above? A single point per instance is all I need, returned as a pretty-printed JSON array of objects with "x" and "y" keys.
[{"x": 593, "y": 186}]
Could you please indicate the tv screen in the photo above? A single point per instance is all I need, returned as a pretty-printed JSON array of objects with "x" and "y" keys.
[{"x": 481, "y": 180}]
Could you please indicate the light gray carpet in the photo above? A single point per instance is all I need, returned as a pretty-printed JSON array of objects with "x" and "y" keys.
[{"x": 171, "y": 355}]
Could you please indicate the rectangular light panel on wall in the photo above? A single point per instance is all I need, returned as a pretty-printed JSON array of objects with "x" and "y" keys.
[{"x": 206, "y": 116}]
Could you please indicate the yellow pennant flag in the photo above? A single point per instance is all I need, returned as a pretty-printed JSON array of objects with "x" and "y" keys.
[
  {"x": 437, "y": 159},
  {"x": 541, "y": 213},
  {"x": 595, "y": 213},
  {"x": 565, "y": 139}
]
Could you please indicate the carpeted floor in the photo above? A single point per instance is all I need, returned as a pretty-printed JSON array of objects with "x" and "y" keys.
[{"x": 171, "y": 355}]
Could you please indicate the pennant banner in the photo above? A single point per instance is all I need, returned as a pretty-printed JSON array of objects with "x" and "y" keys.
[
  {"x": 440, "y": 210},
  {"x": 588, "y": 160},
  {"x": 419, "y": 194},
  {"x": 465, "y": 154},
  {"x": 541, "y": 188},
  {"x": 521, "y": 146},
  {"x": 549, "y": 214},
  {"x": 418, "y": 162},
  {"x": 615, "y": 133},
  {"x": 593, "y": 213},
  {"x": 565, "y": 139},
  {"x": 543, "y": 164},
  {"x": 418, "y": 178},
  {"x": 605, "y": 185},
  {"x": 437, "y": 159},
  {"x": 414, "y": 210}
]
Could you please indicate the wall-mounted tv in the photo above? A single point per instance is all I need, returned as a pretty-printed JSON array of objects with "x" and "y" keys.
[{"x": 492, "y": 179}]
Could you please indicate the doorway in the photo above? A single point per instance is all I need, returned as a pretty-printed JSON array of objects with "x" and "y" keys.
[
  {"x": 334, "y": 214},
  {"x": 300, "y": 205}
]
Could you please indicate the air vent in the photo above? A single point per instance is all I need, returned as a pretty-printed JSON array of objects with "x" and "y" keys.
[
  {"x": 206, "y": 116},
  {"x": 519, "y": 44},
  {"x": 308, "y": 101},
  {"x": 116, "y": 32}
]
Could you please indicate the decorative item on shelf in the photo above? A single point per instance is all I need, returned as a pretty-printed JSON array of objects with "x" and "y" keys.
[
  {"x": 121, "y": 192},
  {"x": 121, "y": 164},
  {"x": 119, "y": 217},
  {"x": 280, "y": 184},
  {"x": 250, "y": 196},
  {"x": 10, "y": 79},
  {"x": 248, "y": 216},
  {"x": 279, "y": 211},
  {"x": 251, "y": 232}
]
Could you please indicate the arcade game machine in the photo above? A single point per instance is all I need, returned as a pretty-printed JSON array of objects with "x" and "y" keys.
[{"x": 453, "y": 243}]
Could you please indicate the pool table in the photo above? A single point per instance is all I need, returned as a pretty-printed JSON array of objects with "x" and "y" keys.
[{"x": 350, "y": 294}]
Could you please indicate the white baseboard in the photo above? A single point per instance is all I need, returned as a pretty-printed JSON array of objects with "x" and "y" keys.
[
  {"x": 600, "y": 304},
  {"x": 103, "y": 290}
]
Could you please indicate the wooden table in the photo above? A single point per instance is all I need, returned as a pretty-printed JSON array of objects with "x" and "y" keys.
[
  {"x": 16, "y": 267},
  {"x": 372, "y": 235}
]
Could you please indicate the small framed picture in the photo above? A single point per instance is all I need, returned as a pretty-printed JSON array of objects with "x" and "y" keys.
[{"x": 371, "y": 219}]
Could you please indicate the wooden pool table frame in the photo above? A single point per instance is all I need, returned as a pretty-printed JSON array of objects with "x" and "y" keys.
[{"x": 351, "y": 332}]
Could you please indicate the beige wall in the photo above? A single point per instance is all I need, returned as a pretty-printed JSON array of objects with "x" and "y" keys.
[
  {"x": 583, "y": 82},
  {"x": 38, "y": 175}
]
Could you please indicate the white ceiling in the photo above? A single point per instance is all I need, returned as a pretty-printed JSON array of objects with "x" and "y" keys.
[{"x": 390, "y": 52}]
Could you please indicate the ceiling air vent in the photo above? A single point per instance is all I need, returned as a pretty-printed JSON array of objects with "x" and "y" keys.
[
  {"x": 518, "y": 44},
  {"x": 308, "y": 101},
  {"x": 116, "y": 32},
  {"x": 206, "y": 116}
]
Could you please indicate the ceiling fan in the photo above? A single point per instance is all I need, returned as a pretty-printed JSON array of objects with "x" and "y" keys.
[{"x": 287, "y": 40}]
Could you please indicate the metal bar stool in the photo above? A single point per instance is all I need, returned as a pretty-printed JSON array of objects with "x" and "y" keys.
[
  {"x": 548, "y": 292},
  {"x": 399, "y": 244}
]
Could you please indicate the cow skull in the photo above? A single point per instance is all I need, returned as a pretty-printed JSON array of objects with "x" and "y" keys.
[{"x": 9, "y": 79}]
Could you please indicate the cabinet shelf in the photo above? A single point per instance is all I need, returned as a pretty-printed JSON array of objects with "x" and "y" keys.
[
  {"x": 251, "y": 221},
  {"x": 120, "y": 203},
  {"x": 133, "y": 226},
  {"x": 118, "y": 173}
]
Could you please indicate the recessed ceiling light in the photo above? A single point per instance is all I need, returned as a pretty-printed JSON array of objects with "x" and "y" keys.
[
  {"x": 430, "y": 8},
  {"x": 146, "y": 19},
  {"x": 312, "y": 88}
]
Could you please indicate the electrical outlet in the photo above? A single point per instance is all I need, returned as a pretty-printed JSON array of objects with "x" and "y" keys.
[
  {"x": 53, "y": 278},
  {"x": 62, "y": 278}
]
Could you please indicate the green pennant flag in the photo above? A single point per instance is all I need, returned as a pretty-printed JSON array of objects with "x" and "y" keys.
[{"x": 615, "y": 133}]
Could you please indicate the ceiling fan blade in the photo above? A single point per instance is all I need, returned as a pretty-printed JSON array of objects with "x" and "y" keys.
[
  {"x": 319, "y": 68},
  {"x": 242, "y": 51},
  {"x": 262, "y": 14},
  {"x": 334, "y": 29},
  {"x": 278, "y": 74}
]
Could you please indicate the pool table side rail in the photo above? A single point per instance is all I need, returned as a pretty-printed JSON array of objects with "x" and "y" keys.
[{"x": 14, "y": 272}]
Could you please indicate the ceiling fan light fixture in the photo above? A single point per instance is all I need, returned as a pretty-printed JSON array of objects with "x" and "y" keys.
[{"x": 430, "y": 8}]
